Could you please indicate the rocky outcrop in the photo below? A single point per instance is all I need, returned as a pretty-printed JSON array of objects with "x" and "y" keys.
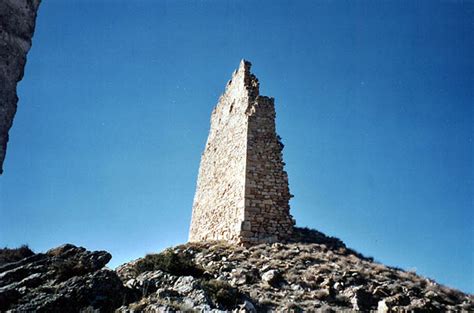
[
  {"x": 320, "y": 273},
  {"x": 64, "y": 279},
  {"x": 17, "y": 24}
]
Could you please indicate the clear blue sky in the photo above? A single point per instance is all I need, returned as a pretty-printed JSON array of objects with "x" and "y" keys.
[{"x": 374, "y": 104}]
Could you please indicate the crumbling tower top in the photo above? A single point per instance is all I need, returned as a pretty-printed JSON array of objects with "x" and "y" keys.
[
  {"x": 242, "y": 192},
  {"x": 247, "y": 78}
]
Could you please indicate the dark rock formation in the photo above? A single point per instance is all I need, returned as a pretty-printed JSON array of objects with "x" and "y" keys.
[
  {"x": 17, "y": 24},
  {"x": 64, "y": 279}
]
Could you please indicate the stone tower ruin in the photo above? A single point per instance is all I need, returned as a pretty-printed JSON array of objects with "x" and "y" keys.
[{"x": 242, "y": 193}]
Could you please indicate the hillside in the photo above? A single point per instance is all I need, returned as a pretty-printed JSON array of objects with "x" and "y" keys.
[{"x": 314, "y": 272}]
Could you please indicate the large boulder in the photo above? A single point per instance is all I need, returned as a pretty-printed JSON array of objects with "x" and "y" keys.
[{"x": 64, "y": 279}]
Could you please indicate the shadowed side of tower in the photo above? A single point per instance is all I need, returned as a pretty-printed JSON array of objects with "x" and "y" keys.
[
  {"x": 267, "y": 195},
  {"x": 242, "y": 192}
]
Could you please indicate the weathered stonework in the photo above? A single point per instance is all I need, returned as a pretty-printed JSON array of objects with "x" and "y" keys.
[
  {"x": 242, "y": 192},
  {"x": 17, "y": 24}
]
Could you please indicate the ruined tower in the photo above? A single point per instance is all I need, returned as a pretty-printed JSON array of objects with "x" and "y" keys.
[{"x": 242, "y": 192}]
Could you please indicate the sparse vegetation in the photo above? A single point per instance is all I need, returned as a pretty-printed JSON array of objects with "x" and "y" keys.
[
  {"x": 293, "y": 308},
  {"x": 8, "y": 255},
  {"x": 221, "y": 293},
  {"x": 313, "y": 276},
  {"x": 176, "y": 263},
  {"x": 321, "y": 294},
  {"x": 266, "y": 305}
]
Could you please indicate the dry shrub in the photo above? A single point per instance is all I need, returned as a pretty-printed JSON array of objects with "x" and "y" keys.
[
  {"x": 221, "y": 293},
  {"x": 176, "y": 263},
  {"x": 321, "y": 294},
  {"x": 13, "y": 255}
]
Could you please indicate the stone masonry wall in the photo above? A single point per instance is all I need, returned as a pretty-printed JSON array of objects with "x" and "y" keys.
[
  {"x": 267, "y": 196},
  {"x": 219, "y": 200},
  {"x": 242, "y": 190}
]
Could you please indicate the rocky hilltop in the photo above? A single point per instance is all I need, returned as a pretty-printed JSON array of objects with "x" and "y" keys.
[{"x": 313, "y": 272}]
